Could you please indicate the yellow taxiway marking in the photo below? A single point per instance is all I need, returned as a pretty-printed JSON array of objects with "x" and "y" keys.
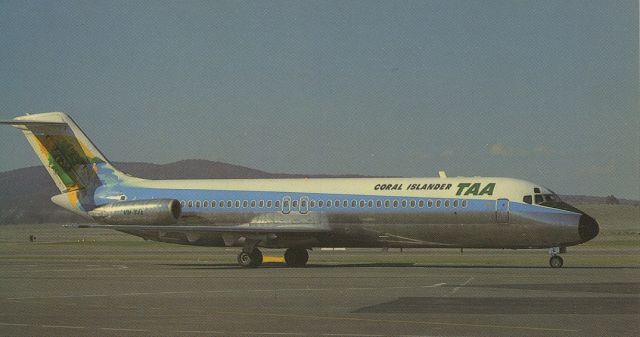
[
  {"x": 267, "y": 259},
  {"x": 471, "y": 325}
]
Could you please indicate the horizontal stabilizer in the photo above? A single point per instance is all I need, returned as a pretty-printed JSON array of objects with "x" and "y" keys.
[{"x": 28, "y": 123}]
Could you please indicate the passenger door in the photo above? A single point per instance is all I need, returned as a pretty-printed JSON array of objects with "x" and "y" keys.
[{"x": 502, "y": 211}]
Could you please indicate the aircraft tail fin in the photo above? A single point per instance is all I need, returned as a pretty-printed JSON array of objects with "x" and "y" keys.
[{"x": 71, "y": 159}]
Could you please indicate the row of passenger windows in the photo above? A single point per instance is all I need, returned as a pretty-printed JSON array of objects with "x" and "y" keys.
[{"x": 323, "y": 204}]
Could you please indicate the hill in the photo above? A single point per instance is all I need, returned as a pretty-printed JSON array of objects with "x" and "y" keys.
[{"x": 25, "y": 194}]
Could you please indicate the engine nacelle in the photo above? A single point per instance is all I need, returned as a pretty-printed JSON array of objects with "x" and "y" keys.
[{"x": 139, "y": 212}]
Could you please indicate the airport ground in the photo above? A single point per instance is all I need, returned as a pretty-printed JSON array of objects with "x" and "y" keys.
[{"x": 81, "y": 282}]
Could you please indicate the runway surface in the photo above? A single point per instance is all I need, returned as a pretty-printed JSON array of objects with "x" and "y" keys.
[{"x": 139, "y": 298}]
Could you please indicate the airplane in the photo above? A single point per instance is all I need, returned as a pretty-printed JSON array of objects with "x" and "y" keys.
[{"x": 301, "y": 214}]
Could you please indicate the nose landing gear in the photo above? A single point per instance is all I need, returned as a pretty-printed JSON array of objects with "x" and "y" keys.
[{"x": 556, "y": 261}]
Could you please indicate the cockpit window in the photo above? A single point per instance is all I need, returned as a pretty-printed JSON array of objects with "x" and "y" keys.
[
  {"x": 536, "y": 190},
  {"x": 527, "y": 199},
  {"x": 551, "y": 197},
  {"x": 538, "y": 199}
]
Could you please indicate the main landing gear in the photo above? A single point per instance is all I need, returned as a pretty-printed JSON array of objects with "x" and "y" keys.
[
  {"x": 250, "y": 260},
  {"x": 556, "y": 261},
  {"x": 294, "y": 257}
]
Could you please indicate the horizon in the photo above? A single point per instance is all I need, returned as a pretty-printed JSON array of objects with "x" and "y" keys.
[{"x": 543, "y": 91}]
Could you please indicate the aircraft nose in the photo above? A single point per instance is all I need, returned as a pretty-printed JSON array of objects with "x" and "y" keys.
[{"x": 588, "y": 228}]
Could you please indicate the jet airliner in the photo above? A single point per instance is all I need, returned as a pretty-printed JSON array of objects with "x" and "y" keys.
[{"x": 301, "y": 214}]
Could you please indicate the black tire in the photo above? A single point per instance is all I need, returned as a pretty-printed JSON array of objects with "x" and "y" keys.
[
  {"x": 250, "y": 260},
  {"x": 245, "y": 260},
  {"x": 296, "y": 257},
  {"x": 256, "y": 256},
  {"x": 556, "y": 261}
]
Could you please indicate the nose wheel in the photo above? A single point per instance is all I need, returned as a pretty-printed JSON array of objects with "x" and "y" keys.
[
  {"x": 556, "y": 261},
  {"x": 250, "y": 260}
]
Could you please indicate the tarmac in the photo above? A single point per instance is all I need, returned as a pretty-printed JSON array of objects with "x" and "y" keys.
[{"x": 138, "y": 298}]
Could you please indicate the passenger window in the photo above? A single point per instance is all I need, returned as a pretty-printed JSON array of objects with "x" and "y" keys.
[
  {"x": 312, "y": 203},
  {"x": 277, "y": 204},
  {"x": 446, "y": 203},
  {"x": 321, "y": 203},
  {"x": 237, "y": 203},
  {"x": 261, "y": 203},
  {"x": 438, "y": 203},
  {"x": 455, "y": 204},
  {"x": 370, "y": 203},
  {"x": 190, "y": 203},
  {"x": 336, "y": 203},
  {"x": 303, "y": 203},
  {"x": 527, "y": 199},
  {"x": 345, "y": 203},
  {"x": 354, "y": 203},
  {"x": 328, "y": 203},
  {"x": 404, "y": 203},
  {"x": 421, "y": 204},
  {"x": 285, "y": 204},
  {"x": 412, "y": 203},
  {"x": 221, "y": 204},
  {"x": 387, "y": 203},
  {"x": 295, "y": 204},
  {"x": 253, "y": 203},
  {"x": 270, "y": 203},
  {"x": 198, "y": 204},
  {"x": 182, "y": 203},
  {"x": 395, "y": 203},
  {"x": 538, "y": 198},
  {"x": 229, "y": 203},
  {"x": 205, "y": 204},
  {"x": 213, "y": 203},
  {"x": 245, "y": 204},
  {"x": 361, "y": 203},
  {"x": 378, "y": 203},
  {"x": 464, "y": 203},
  {"x": 430, "y": 203}
]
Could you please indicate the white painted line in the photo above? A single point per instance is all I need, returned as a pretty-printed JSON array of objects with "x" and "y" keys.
[
  {"x": 13, "y": 324},
  {"x": 65, "y": 270},
  {"x": 255, "y": 333},
  {"x": 225, "y": 291},
  {"x": 62, "y": 326},
  {"x": 122, "y": 329},
  {"x": 460, "y": 286},
  {"x": 351, "y": 335},
  {"x": 201, "y": 331}
]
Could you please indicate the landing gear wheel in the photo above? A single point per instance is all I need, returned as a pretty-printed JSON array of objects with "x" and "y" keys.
[
  {"x": 296, "y": 257},
  {"x": 556, "y": 261},
  {"x": 250, "y": 260}
]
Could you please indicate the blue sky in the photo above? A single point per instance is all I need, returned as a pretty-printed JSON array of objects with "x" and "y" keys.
[{"x": 542, "y": 90}]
